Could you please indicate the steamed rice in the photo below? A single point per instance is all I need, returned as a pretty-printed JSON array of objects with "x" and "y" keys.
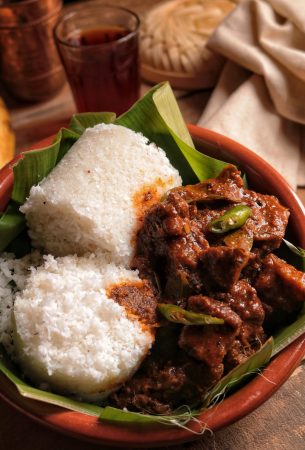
[
  {"x": 13, "y": 275},
  {"x": 87, "y": 203},
  {"x": 70, "y": 335}
]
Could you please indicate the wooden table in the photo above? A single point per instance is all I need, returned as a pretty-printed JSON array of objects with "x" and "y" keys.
[{"x": 277, "y": 425}]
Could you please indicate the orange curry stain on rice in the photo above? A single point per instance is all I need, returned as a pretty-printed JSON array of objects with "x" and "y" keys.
[
  {"x": 138, "y": 300},
  {"x": 145, "y": 198}
]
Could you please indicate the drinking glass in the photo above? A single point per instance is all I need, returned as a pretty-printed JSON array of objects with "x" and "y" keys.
[{"x": 98, "y": 46}]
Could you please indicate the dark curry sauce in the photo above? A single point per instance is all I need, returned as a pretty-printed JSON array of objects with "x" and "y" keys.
[{"x": 232, "y": 275}]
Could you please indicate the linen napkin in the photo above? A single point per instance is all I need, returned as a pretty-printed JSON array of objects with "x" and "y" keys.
[{"x": 260, "y": 97}]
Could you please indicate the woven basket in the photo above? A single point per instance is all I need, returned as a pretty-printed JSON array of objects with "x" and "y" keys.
[{"x": 173, "y": 42}]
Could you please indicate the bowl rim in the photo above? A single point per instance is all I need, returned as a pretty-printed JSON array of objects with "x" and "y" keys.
[{"x": 234, "y": 407}]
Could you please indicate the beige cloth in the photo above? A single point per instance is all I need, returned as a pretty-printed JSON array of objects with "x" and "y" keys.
[{"x": 262, "y": 103}]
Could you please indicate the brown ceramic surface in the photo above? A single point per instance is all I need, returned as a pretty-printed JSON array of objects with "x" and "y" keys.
[{"x": 262, "y": 177}]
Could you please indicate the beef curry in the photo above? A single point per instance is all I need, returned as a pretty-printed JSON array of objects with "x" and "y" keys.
[{"x": 207, "y": 248}]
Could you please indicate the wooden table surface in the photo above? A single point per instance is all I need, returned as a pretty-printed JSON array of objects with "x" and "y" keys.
[{"x": 277, "y": 425}]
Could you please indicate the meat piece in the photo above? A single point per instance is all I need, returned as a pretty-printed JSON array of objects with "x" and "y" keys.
[
  {"x": 210, "y": 344},
  {"x": 221, "y": 267},
  {"x": 282, "y": 290},
  {"x": 171, "y": 241},
  {"x": 253, "y": 268},
  {"x": 207, "y": 305},
  {"x": 280, "y": 284},
  {"x": 151, "y": 390},
  {"x": 137, "y": 298},
  {"x": 183, "y": 256},
  {"x": 161, "y": 387},
  {"x": 243, "y": 299},
  {"x": 237, "y": 354},
  {"x": 227, "y": 186},
  {"x": 186, "y": 251},
  {"x": 268, "y": 221},
  {"x": 167, "y": 378}
]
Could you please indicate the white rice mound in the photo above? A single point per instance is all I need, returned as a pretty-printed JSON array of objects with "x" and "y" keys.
[
  {"x": 69, "y": 335},
  {"x": 86, "y": 203},
  {"x": 13, "y": 275}
]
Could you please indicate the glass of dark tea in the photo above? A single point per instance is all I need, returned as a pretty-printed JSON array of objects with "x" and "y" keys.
[{"x": 98, "y": 46}]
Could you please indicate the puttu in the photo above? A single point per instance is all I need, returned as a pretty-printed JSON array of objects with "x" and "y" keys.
[
  {"x": 71, "y": 337},
  {"x": 13, "y": 274},
  {"x": 95, "y": 198}
]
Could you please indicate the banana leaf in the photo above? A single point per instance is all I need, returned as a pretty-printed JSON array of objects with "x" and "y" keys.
[
  {"x": 28, "y": 391},
  {"x": 238, "y": 375},
  {"x": 235, "y": 377},
  {"x": 121, "y": 416},
  {"x": 109, "y": 414},
  {"x": 80, "y": 122},
  {"x": 12, "y": 223},
  {"x": 157, "y": 116},
  {"x": 298, "y": 253},
  {"x": 37, "y": 164}
]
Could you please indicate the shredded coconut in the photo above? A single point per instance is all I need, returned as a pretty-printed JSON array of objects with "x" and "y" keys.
[
  {"x": 69, "y": 334},
  {"x": 86, "y": 202},
  {"x": 13, "y": 275}
]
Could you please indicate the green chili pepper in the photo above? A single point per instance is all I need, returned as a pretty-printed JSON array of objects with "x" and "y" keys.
[
  {"x": 176, "y": 314},
  {"x": 230, "y": 220}
]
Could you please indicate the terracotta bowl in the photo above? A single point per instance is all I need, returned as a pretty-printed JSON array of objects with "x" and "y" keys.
[{"x": 262, "y": 177}]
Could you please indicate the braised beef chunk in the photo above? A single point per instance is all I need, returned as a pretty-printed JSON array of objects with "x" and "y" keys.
[
  {"x": 253, "y": 268},
  {"x": 280, "y": 284},
  {"x": 154, "y": 391},
  {"x": 213, "y": 307},
  {"x": 281, "y": 287},
  {"x": 237, "y": 354},
  {"x": 224, "y": 347},
  {"x": 243, "y": 300},
  {"x": 221, "y": 267},
  {"x": 181, "y": 263},
  {"x": 210, "y": 344},
  {"x": 160, "y": 388},
  {"x": 167, "y": 378},
  {"x": 229, "y": 274},
  {"x": 171, "y": 242},
  {"x": 137, "y": 298},
  {"x": 227, "y": 186},
  {"x": 268, "y": 221}
]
